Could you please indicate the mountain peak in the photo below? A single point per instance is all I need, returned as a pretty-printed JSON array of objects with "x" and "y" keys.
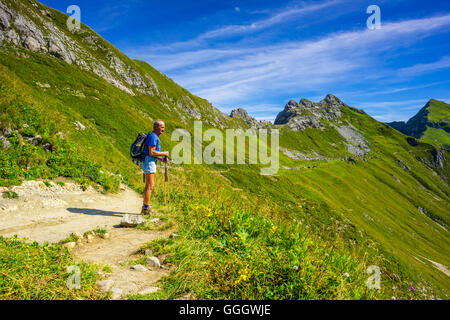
[
  {"x": 333, "y": 101},
  {"x": 242, "y": 114},
  {"x": 431, "y": 118},
  {"x": 306, "y": 114}
]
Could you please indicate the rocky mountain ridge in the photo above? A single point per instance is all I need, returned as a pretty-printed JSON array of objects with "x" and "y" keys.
[
  {"x": 307, "y": 114},
  {"x": 321, "y": 115},
  {"x": 29, "y": 26},
  {"x": 242, "y": 114},
  {"x": 417, "y": 125}
]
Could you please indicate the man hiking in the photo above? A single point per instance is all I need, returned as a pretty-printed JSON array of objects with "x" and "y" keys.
[{"x": 152, "y": 153}]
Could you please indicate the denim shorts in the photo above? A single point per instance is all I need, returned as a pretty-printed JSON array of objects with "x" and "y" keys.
[{"x": 148, "y": 166}]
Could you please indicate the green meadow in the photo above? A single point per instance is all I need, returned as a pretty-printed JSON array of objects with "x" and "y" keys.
[{"x": 310, "y": 231}]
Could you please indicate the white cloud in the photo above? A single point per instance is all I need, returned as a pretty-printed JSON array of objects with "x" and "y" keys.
[
  {"x": 239, "y": 73},
  {"x": 280, "y": 17},
  {"x": 424, "y": 68},
  {"x": 400, "y": 105},
  {"x": 229, "y": 74},
  {"x": 284, "y": 15}
]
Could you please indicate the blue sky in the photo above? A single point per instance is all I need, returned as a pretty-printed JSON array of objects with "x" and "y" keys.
[{"x": 259, "y": 54}]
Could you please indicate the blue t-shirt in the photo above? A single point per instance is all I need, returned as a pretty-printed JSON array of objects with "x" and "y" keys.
[{"x": 152, "y": 140}]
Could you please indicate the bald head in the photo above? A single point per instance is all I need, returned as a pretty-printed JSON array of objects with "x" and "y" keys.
[
  {"x": 158, "y": 123},
  {"x": 158, "y": 127}
]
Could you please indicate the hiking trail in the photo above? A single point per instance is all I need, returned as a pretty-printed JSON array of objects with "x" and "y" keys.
[{"x": 51, "y": 212}]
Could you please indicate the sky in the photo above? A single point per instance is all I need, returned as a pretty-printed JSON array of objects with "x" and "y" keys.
[{"x": 259, "y": 54}]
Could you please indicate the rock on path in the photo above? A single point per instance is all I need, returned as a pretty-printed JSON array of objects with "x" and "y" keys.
[
  {"x": 51, "y": 214},
  {"x": 45, "y": 213}
]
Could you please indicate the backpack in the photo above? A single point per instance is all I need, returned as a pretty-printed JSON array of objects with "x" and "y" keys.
[{"x": 137, "y": 148}]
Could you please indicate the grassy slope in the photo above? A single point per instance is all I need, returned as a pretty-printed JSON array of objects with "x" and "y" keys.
[
  {"x": 439, "y": 112},
  {"x": 369, "y": 195},
  {"x": 364, "y": 196}
]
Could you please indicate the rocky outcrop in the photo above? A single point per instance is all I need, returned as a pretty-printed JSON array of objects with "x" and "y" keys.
[
  {"x": 21, "y": 29},
  {"x": 4, "y": 143},
  {"x": 438, "y": 158},
  {"x": 321, "y": 115},
  {"x": 296, "y": 155},
  {"x": 187, "y": 105},
  {"x": 434, "y": 158},
  {"x": 307, "y": 114},
  {"x": 242, "y": 114},
  {"x": 356, "y": 144}
]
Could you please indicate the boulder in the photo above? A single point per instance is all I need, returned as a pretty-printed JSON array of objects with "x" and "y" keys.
[
  {"x": 32, "y": 44},
  {"x": 58, "y": 50},
  {"x": 139, "y": 267},
  {"x": 153, "y": 262},
  {"x": 5, "y": 19},
  {"x": 79, "y": 126},
  {"x": 132, "y": 220},
  {"x": 47, "y": 147},
  {"x": 35, "y": 140},
  {"x": 5, "y": 143},
  {"x": 105, "y": 285},
  {"x": 7, "y": 132},
  {"x": 13, "y": 37}
]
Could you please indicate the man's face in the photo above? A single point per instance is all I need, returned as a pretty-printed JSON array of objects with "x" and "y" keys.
[{"x": 160, "y": 129}]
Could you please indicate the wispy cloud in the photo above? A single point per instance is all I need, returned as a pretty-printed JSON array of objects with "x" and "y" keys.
[
  {"x": 229, "y": 74},
  {"x": 234, "y": 73},
  {"x": 388, "y": 111},
  {"x": 403, "y": 89},
  {"x": 424, "y": 68},
  {"x": 399, "y": 105},
  {"x": 280, "y": 17}
]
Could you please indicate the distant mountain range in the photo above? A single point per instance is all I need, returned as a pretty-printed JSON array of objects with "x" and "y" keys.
[{"x": 431, "y": 124}]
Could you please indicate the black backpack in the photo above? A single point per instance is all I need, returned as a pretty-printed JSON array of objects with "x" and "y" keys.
[{"x": 137, "y": 148}]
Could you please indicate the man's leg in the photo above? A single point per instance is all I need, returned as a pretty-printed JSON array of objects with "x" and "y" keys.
[{"x": 149, "y": 185}]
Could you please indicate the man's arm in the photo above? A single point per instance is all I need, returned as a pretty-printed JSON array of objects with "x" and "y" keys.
[{"x": 153, "y": 153}]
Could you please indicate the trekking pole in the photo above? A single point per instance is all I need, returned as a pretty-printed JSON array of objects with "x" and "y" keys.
[{"x": 166, "y": 178}]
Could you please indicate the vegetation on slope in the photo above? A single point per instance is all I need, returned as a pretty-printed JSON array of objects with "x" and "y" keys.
[
  {"x": 390, "y": 207},
  {"x": 235, "y": 244},
  {"x": 431, "y": 124},
  {"x": 29, "y": 271}
]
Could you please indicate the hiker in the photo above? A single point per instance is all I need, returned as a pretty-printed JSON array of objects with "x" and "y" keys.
[{"x": 152, "y": 153}]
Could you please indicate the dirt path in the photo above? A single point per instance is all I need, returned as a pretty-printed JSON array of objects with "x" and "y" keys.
[
  {"x": 116, "y": 251},
  {"x": 45, "y": 213}
]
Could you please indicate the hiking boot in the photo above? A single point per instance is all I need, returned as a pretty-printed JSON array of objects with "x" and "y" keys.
[{"x": 146, "y": 211}]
